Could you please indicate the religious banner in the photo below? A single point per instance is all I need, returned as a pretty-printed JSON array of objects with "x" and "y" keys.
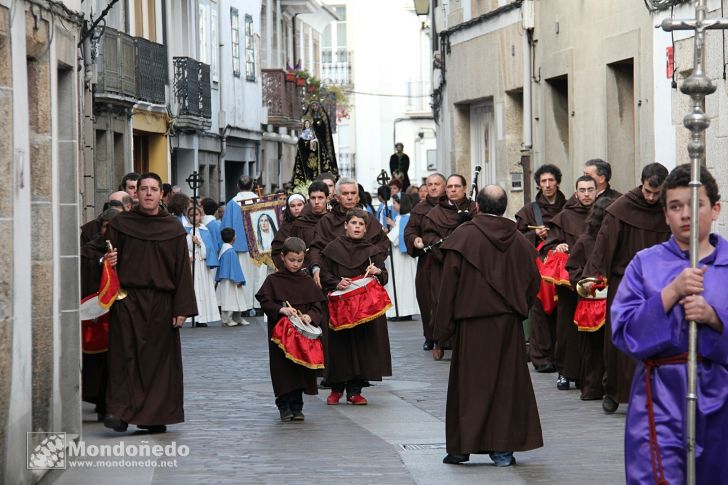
[{"x": 261, "y": 220}]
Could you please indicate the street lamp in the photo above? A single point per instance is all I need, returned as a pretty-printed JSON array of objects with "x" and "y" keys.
[{"x": 422, "y": 9}]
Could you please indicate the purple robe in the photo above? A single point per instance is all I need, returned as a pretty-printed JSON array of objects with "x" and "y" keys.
[{"x": 642, "y": 329}]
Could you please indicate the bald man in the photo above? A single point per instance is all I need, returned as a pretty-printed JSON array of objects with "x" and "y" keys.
[{"x": 119, "y": 200}]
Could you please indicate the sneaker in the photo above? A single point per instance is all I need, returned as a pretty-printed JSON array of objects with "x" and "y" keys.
[
  {"x": 357, "y": 400},
  {"x": 286, "y": 414},
  {"x": 243, "y": 322},
  {"x": 562, "y": 383},
  {"x": 428, "y": 345},
  {"x": 503, "y": 458},
  {"x": 230, "y": 324},
  {"x": 298, "y": 415},
  {"x": 333, "y": 398},
  {"x": 201, "y": 324}
]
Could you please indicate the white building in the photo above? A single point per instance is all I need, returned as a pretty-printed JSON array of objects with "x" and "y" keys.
[{"x": 388, "y": 51}]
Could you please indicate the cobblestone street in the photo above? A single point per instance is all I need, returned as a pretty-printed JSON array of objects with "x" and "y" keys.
[{"x": 235, "y": 437}]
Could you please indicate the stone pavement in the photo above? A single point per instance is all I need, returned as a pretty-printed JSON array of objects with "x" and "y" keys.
[{"x": 235, "y": 437}]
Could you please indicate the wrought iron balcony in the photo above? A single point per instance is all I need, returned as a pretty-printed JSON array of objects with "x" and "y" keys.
[
  {"x": 283, "y": 98},
  {"x": 152, "y": 75},
  {"x": 192, "y": 89},
  {"x": 116, "y": 64},
  {"x": 131, "y": 69}
]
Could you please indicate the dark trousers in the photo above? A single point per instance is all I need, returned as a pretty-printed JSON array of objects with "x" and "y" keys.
[
  {"x": 353, "y": 387},
  {"x": 291, "y": 400}
]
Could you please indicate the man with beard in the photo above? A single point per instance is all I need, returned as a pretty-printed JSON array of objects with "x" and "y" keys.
[
  {"x": 490, "y": 281},
  {"x": 145, "y": 357},
  {"x": 438, "y": 224},
  {"x": 601, "y": 171},
  {"x": 415, "y": 244},
  {"x": 564, "y": 230},
  {"x": 532, "y": 220},
  {"x": 634, "y": 221},
  {"x": 331, "y": 225}
]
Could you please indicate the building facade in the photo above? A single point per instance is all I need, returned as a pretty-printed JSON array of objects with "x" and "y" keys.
[{"x": 41, "y": 101}]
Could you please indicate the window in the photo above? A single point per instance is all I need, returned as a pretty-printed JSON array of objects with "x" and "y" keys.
[
  {"x": 203, "y": 31},
  {"x": 215, "y": 44},
  {"x": 249, "y": 49},
  {"x": 235, "y": 27}
]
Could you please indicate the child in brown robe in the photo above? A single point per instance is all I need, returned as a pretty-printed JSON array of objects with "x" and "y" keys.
[
  {"x": 360, "y": 353},
  {"x": 290, "y": 284}
]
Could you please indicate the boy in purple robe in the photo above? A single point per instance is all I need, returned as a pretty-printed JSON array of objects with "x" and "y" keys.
[{"x": 659, "y": 294}]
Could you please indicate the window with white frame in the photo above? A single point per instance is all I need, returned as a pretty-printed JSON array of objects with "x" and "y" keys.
[
  {"x": 235, "y": 29},
  {"x": 203, "y": 31},
  {"x": 214, "y": 44},
  {"x": 249, "y": 49}
]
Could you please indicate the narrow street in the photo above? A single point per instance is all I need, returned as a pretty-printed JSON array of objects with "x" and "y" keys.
[{"x": 235, "y": 437}]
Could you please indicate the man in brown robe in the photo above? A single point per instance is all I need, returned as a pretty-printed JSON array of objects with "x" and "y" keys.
[
  {"x": 145, "y": 357},
  {"x": 93, "y": 369},
  {"x": 532, "y": 220},
  {"x": 490, "y": 280},
  {"x": 438, "y": 224},
  {"x": 634, "y": 221},
  {"x": 413, "y": 239},
  {"x": 601, "y": 171},
  {"x": 564, "y": 230}
]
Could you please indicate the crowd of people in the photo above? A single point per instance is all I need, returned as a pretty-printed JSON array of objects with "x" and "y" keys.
[{"x": 602, "y": 278}]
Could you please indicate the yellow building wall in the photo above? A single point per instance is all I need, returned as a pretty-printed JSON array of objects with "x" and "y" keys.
[{"x": 155, "y": 125}]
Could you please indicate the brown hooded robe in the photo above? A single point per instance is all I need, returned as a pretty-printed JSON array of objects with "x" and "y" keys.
[
  {"x": 302, "y": 293},
  {"x": 490, "y": 280},
  {"x": 630, "y": 225},
  {"x": 145, "y": 358},
  {"x": 361, "y": 352}
]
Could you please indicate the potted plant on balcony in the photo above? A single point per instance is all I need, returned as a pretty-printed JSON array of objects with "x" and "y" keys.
[
  {"x": 301, "y": 77},
  {"x": 290, "y": 76},
  {"x": 313, "y": 85}
]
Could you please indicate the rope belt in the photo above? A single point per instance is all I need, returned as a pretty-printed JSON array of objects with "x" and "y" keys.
[{"x": 658, "y": 473}]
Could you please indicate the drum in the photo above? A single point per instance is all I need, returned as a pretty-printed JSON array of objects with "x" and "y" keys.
[
  {"x": 554, "y": 269},
  {"x": 299, "y": 342},
  {"x": 591, "y": 310},
  {"x": 94, "y": 325},
  {"x": 363, "y": 301}
]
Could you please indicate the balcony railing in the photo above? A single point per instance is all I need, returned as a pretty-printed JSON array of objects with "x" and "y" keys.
[
  {"x": 336, "y": 73},
  {"x": 284, "y": 99},
  {"x": 131, "y": 68},
  {"x": 192, "y": 89}
]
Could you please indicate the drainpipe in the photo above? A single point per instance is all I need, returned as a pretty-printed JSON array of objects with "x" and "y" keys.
[
  {"x": 221, "y": 164},
  {"x": 527, "y": 12}
]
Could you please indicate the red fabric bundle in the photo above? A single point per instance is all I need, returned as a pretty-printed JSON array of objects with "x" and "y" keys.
[
  {"x": 364, "y": 301},
  {"x": 590, "y": 314},
  {"x": 95, "y": 332},
  {"x": 547, "y": 291},
  {"x": 554, "y": 268},
  {"x": 308, "y": 352}
]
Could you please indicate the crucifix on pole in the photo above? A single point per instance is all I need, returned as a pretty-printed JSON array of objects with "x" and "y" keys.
[
  {"x": 697, "y": 86},
  {"x": 195, "y": 182}
]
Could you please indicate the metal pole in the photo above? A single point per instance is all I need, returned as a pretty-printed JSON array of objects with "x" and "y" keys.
[
  {"x": 383, "y": 178},
  {"x": 697, "y": 86}
]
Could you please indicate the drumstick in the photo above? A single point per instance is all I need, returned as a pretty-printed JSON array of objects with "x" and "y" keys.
[{"x": 538, "y": 227}]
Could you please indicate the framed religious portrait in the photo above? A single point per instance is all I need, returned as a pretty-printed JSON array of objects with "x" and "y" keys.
[{"x": 261, "y": 219}]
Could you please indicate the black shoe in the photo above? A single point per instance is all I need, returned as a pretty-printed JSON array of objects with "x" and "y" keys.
[
  {"x": 609, "y": 405},
  {"x": 428, "y": 345},
  {"x": 115, "y": 423},
  {"x": 286, "y": 414},
  {"x": 562, "y": 383},
  {"x": 546, "y": 368},
  {"x": 298, "y": 415},
  {"x": 201, "y": 324},
  {"x": 455, "y": 458},
  {"x": 153, "y": 428}
]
